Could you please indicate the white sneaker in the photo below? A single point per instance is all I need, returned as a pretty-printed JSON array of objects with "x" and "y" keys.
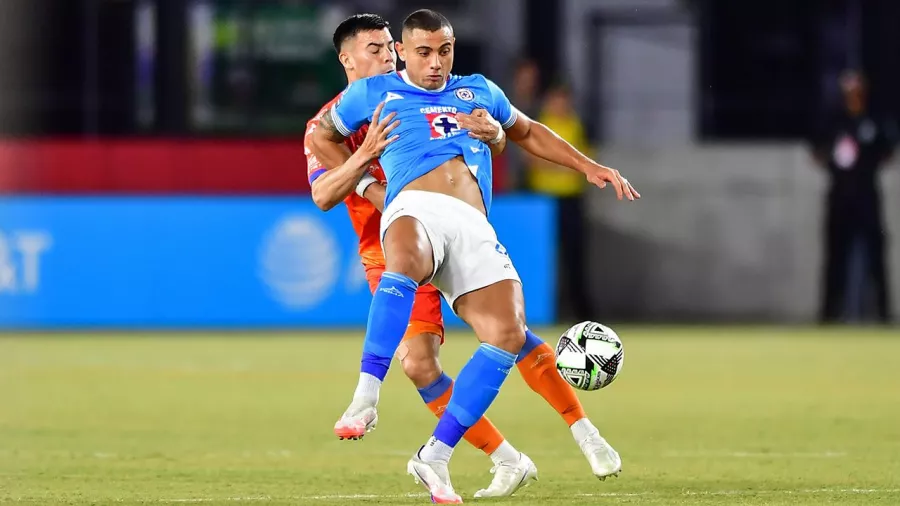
[
  {"x": 510, "y": 477},
  {"x": 604, "y": 460},
  {"x": 435, "y": 477},
  {"x": 356, "y": 421}
]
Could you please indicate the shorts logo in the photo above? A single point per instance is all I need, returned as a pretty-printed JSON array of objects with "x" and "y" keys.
[
  {"x": 500, "y": 249},
  {"x": 443, "y": 125},
  {"x": 465, "y": 94}
]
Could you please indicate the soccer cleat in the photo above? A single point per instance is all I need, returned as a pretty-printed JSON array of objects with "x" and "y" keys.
[
  {"x": 508, "y": 478},
  {"x": 356, "y": 421},
  {"x": 604, "y": 460},
  {"x": 435, "y": 477}
]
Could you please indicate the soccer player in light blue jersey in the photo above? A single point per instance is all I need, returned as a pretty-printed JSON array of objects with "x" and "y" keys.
[{"x": 435, "y": 229}]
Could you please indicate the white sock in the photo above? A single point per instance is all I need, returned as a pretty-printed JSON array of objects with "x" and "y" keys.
[
  {"x": 435, "y": 450},
  {"x": 582, "y": 429},
  {"x": 505, "y": 454},
  {"x": 367, "y": 389}
]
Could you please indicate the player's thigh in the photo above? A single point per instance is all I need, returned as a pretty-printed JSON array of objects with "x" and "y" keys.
[
  {"x": 408, "y": 249},
  {"x": 483, "y": 287}
]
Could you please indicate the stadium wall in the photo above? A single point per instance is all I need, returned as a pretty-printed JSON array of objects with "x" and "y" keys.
[
  {"x": 194, "y": 262},
  {"x": 722, "y": 233}
]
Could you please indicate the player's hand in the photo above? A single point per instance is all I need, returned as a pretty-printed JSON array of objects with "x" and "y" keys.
[
  {"x": 600, "y": 175},
  {"x": 377, "y": 138},
  {"x": 480, "y": 125}
]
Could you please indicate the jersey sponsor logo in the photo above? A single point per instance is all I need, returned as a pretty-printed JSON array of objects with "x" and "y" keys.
[{"x": 392, "y": 96}]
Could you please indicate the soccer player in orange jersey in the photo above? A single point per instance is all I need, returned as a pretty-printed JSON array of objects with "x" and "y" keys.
[{"x": 365, "y": 48}]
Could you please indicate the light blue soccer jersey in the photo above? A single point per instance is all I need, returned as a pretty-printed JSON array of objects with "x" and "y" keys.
[{"x": 429, "y": 132}]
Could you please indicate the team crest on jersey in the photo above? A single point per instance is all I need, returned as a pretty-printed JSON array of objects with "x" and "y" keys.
[
  {"x": 465, "y": 94},
  {"x": 442, "y": 120},
  {"x": 443, "y": 125}
]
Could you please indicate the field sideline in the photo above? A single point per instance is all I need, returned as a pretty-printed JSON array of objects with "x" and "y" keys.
[{"x": 701, "y": 415}]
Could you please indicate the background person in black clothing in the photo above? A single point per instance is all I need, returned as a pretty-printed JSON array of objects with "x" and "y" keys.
[{"x": 852, "y": 147}]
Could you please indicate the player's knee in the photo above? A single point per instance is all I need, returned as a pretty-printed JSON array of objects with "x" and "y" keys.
[
  {"x": 507, "y": 334},
  {"x": 422, "y": 371},
  {"x": 418, "y": 357}
]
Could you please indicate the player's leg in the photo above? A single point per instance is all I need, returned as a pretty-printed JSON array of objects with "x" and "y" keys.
[
  {"x": 419, "y": 354},
  {"x": 410, "y": 259},
  {"x": 537, "y": 364},
  {"x": 419, "y": 357},
  {"x": 496, "y": 313}
]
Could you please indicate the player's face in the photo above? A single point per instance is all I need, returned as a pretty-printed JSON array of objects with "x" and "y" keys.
[
  {"x": 428, "y": 56},
  {"x": 370, "y": 53}
]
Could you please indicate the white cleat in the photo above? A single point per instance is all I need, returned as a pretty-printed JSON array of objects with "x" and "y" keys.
[
  {"x": 604, "y": 460},
  {"x": 435, "y": 477},
  {"x": 510, "y": 477},
  {"x": 356, "y": 421}
]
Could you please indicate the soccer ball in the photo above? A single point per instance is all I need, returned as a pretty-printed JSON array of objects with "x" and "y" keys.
[{"x": 589, "y": 356}]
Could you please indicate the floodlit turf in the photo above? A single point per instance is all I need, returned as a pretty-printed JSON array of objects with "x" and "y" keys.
[{"x": 716, "y": 416}]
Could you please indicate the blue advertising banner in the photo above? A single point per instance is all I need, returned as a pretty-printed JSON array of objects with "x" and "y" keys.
[{"x": 216, "y": 262}]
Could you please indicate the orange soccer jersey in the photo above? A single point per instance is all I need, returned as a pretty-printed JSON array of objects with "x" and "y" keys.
[{"x": 366, "y": 220}]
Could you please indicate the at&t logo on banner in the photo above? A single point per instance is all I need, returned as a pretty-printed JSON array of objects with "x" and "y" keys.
[{"x": 20, "y": 260}]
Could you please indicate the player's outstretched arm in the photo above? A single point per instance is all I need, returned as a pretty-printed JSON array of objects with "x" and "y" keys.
[
  {"x": 349, "y": 172},
  {"x": 535, "y": 138}
]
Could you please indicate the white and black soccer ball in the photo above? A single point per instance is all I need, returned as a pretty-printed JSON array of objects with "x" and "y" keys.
[{"x": 589, "y": 356}]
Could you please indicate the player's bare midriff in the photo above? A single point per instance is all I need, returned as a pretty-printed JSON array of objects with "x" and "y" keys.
[{"x": 452, "y": 178}]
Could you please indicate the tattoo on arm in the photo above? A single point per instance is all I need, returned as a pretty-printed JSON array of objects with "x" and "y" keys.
[{"x": 326, "y": 125}]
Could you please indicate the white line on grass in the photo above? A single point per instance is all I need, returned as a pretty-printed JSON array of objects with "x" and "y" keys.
[{"x": 351, "y": 497}]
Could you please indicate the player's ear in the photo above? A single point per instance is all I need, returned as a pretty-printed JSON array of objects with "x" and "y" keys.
[
  {"x": 398, "y": 46},
  {"x": 345, "y": 60}
]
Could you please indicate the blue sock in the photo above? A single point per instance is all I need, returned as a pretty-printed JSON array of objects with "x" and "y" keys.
[
  {"x": 476, "y": 388},
  {"x": 532, "y": 341},
  {"x": 388, "y": 318},
  {"x": 436, "y": 389}
]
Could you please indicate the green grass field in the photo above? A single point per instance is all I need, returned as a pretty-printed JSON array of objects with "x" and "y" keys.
[{"x": 716, "y": 416}]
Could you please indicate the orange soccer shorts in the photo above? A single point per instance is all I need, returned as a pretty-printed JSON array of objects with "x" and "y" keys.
[{"x": 426, "y": 312}]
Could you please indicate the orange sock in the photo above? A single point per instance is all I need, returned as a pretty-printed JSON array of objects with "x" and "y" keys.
[
  {"x": 538, "y": 369},
  {"x": 483, "y": 435}
]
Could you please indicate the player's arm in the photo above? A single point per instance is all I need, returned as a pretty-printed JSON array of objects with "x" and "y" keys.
[
  {"x": 347, "y": 116},
  {"x": 542, "y": 142},
  {"x": 330, "y": 187},
  {"x": 485, "y": 128},
  {"x": 374, "y": 193}
]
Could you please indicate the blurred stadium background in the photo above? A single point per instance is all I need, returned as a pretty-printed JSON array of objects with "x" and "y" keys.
[{"x": 181, "y": 323}]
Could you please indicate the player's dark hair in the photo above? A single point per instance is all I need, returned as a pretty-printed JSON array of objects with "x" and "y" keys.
[
  {"x": 426, "y": 19},
  {"x": 352, "y": 26}
]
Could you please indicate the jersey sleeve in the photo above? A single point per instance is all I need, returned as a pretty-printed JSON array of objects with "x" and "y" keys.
[
  {"x": 352, "y": 110},
  {"x": 314, "y": 167},
  {"x": 501, "y": 109}
]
